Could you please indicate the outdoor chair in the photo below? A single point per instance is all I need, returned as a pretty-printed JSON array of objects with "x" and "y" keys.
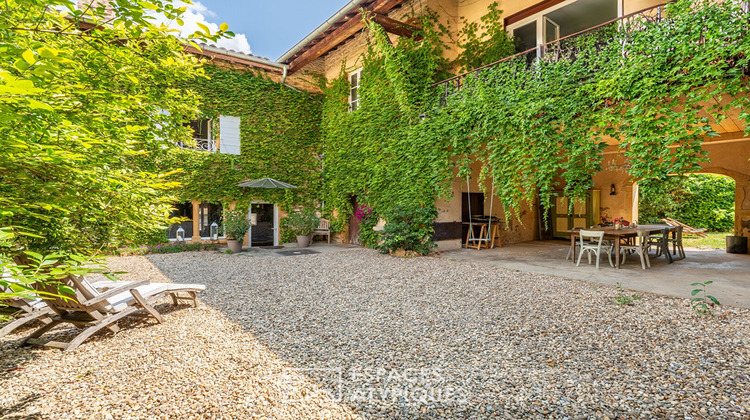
[
  {"x": 688, "y": 230},
  {"x": 94, "y": 310},
  {"x": 25, "y": 311},
  {"x": 639, "y": 247},
  {"x": 323, "y": 229},
  {"x": 676, "y": 241},
  {"x": 592, "y": 242}
]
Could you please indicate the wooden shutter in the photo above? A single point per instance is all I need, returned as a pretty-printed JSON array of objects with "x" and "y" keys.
[{"x": 229, "y": 132}]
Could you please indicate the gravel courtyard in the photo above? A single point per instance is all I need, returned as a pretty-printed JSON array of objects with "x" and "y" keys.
[{"x": 358, "y": 334}]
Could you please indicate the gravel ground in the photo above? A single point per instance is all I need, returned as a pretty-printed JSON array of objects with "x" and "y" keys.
[{"x": 358, "y": 334}]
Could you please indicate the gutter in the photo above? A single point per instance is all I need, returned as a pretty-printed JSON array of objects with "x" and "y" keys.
[
  {"x": 247, "y": 57},
  {"x": 325, "y": 25}
]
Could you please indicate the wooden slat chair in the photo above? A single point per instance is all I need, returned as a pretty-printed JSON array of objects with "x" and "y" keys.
[
  {"x": 687, "y": 230},
  {"x": 323, "y": 229},
  {"x": 25, "y": 311},
  {"x": 94, "y": 310}
]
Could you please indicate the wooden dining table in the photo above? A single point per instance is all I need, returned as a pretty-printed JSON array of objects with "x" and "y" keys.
[{"x": 626, "y": 232}]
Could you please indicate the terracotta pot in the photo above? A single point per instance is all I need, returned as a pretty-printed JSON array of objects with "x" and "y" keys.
[
  {"x": 303, "y": 241},
  {"x": 234, "y": 245},
  {"x": 737, "y": 244}
]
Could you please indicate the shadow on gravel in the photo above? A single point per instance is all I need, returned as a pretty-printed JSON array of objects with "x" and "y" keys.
[{"x": 16, "y": 410}]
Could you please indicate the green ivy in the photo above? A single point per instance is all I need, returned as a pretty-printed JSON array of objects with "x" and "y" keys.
[
  {"x": 280, "y": 138},
  {"x": 541, "y": 125}
]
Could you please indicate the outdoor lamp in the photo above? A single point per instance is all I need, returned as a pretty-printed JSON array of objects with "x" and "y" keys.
[
  {"x": 214, "y": 231},
  {"x": 612, "y": 190},
  {"x": 180, "y": 234}
]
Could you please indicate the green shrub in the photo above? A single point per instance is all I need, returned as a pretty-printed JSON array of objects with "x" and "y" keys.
[
  {"x": 301, "y": 223},
  {"x": 408, "y": 228},
  {"x": 368, "y": 237},
  {"x": 168, "y": 248},
  {"x": 236, "y": 224},
  {"x": 700, "y": 200}
]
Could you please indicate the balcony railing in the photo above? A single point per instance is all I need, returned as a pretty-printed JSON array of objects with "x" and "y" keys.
[
  {"x": 204, "y": 145},
  {"x": 563, "y": 48}
]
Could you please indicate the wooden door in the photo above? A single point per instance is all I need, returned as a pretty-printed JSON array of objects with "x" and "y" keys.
[{"x": 354, "y": 224}]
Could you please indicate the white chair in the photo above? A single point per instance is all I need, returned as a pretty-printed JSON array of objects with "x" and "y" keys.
[
  {"x": 592, "y": 242},
  {"x": 640, "y": 248}
]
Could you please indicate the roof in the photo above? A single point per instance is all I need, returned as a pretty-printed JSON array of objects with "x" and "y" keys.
[
  {"x": 339, "y": 28},
  {"x": 236, "y": 57}
]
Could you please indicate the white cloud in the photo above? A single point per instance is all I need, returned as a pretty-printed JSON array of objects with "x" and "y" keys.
[{"x": 197, "y": 12}]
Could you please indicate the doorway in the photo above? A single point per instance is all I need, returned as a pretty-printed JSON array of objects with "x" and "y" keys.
[
  {"x": 264, "y": 224},
  {"x": 354, "y": 223}
]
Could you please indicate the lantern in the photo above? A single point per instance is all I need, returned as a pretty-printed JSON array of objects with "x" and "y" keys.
[
  {"x": 180, "y": 234},
  {"x": 214, "y": 231}
]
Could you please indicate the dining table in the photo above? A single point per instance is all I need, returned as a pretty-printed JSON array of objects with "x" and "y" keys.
[{"x": 617, "y": 235}]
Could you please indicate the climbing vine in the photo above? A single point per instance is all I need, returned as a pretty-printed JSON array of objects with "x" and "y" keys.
[
  {"x": 377, "y": 153},
  {"x": 279, "y": 133},
  {"x": 540, "y": 125}
]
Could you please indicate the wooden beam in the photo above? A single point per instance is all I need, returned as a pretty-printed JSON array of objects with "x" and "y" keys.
[
  {"x": 341, "y": 34},
  {"x": 529, "y": 11},
  {"x": 394, "y": 26},
  {"x": 385, "y": 6}
]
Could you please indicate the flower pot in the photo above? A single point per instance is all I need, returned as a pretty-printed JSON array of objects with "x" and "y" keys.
[
  {"x": 303, "y": 241},
  {"x": 737, "y": 244},
  {"x": 234, "y": 245}
]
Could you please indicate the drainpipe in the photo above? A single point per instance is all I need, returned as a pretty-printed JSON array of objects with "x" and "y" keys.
[{"x": 325, "y": 25}]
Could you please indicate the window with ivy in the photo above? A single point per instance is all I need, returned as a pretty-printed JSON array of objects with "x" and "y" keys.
[{"x": 354, "y": 79}]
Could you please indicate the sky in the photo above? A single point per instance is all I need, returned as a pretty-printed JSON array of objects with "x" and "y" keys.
[{"x": 266, "y": 28}]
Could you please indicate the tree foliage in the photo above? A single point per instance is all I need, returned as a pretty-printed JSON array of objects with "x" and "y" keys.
[
  {"x": 82, "y": 93},
  {"x": 699, "y": 200}
]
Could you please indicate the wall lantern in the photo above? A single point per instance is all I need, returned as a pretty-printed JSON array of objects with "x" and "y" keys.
[
  {"x": 214, "y": 231},
  {"x": 180, "y": 234},
  {"x": 612, "y": 190}
]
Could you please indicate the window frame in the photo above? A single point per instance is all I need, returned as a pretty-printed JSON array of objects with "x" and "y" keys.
[{"x": 354, "y": 103}]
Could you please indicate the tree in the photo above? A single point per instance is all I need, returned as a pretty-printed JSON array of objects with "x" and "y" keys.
[{"x": 83, "y": 92}]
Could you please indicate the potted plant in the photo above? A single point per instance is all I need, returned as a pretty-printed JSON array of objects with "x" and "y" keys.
[
  {"x": 737, "y": 244},
  {"x": 236, "y": 225},
  {"x": 302, "y": 224}
]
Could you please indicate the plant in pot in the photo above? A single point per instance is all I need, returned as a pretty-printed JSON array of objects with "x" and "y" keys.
[
  {"x": 737, "y": 244},
  {"x": 302, "y": 224},
  {"x": 236, "y": 226}
]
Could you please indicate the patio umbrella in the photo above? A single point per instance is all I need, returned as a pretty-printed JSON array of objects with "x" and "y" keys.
[{"x": 265, "y": 183}]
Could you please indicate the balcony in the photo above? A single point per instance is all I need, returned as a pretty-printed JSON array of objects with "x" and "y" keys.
[{"x": 203, "y": 145}]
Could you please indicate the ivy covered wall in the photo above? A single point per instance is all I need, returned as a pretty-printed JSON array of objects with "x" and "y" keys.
[{"x": 280, "y": 138}]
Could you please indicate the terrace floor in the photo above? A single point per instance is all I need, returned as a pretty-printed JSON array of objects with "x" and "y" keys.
[{"x": 730, "y": 273}]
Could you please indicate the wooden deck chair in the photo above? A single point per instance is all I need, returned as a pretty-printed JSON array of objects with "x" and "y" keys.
[
  {"x": 323, "y": 229},
  {"x": 94, "y": 310},
  {"x": 25, "y": 311},
  {"x": 687, "y": 230}
]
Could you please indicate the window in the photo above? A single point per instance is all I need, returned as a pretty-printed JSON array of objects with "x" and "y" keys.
[
  {"x": 354, "y": 79},
  {"x": 181, "y": 210},
  {"x": 201, "y": 136},
  {"x": 563, "y": 19},
  {"x": 207, "y": 215}
]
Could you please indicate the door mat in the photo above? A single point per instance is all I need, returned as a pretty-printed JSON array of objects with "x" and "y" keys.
[
  {"x": 297, "y": 252},
  {"x": 272, "y": 247}
]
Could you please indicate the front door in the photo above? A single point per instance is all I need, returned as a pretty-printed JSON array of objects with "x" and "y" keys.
[{"x": 263, "y": 224}]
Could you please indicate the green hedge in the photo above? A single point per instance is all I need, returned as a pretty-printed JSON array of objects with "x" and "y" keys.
[{"x": 700, "y": 200}]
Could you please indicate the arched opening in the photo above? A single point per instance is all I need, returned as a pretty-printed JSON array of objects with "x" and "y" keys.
[{"x": 703, "y": 200}]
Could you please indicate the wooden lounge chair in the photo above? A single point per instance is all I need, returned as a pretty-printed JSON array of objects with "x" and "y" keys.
[
  {"x": 323, "y": 229},
  {"x": 94, "y": 310},
  {"x": 25, "y": 311},
  {"x": 687, "y": 230}
]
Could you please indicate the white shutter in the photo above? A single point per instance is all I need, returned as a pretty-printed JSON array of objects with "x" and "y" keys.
[{"x": 229, "y": 135}]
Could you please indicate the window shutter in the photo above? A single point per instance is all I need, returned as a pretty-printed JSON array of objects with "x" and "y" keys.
[{"x": 229, "y": 135}]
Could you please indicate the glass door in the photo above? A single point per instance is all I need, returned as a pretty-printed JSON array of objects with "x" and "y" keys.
[{"x": 262, "y": 224}]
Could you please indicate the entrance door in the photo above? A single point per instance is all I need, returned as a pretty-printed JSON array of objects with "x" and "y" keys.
[
  {"x": 354, "y": 224},
  {"x": 584, "y": 214},
  {"x": 263, "y": 224}
]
